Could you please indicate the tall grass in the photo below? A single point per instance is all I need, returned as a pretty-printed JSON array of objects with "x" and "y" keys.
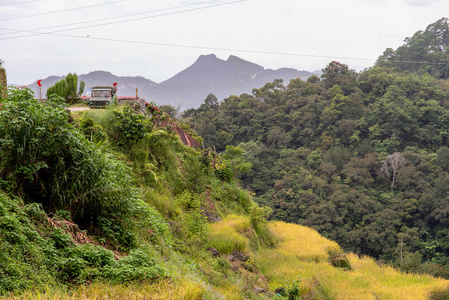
[
  {"x": 306, "y": 243},
  {"x": 302, "y": 254},
  {"x": 166, "y": 289},
  {"x": 226, "y": 236}
]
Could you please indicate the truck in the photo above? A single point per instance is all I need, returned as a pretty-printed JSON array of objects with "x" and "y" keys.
[{"x": 102, "y": 96}]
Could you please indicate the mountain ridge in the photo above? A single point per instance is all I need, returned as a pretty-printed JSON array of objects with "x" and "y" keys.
[{"x": 189, "y": 87}]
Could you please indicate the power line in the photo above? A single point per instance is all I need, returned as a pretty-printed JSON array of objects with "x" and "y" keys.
[
  {"x": 235, "y": 49},
  {"x": 116, "y": 22},
  {"x": 225, "y": 49},
  {"x": 187, "y": 46},
  {"x": 207, "y": 48},
  {"x": 10, "y": 4},
  {"x": 59, "y": 11}
]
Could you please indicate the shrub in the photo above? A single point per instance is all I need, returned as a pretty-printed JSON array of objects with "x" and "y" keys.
[
  {"x": 61, "y": 239},
  {"x": 138, "y": 265},
  {"x": 24, "y": 262},
  {"x": 92, "y": 130},
  {"x": 442, "y": 294},
  {"x": 194, "y": 220},
  {"x": 129, "y": 127},
  {"x": 54, "y": 164},
  {"x": 233, "y": 197},
  {"x": 95, "y": 255},
  {"x": 340, "y": 260}
]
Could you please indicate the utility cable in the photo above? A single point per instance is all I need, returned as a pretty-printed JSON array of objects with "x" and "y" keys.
[
  {"x": 59, "y": 11},
  {"x": 192, "y": 46},
  {"x": 11, "y": 4},
  {"x": 232, "y": 49},
  {"x": 116, "y": 22}
]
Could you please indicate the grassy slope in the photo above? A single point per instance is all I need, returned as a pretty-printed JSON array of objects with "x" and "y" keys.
[
  {"x": 303, "y": 252},
  {"x": 300, "y": 256}
]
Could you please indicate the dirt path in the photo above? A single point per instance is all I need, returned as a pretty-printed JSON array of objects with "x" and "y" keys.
[{"x": 78, "y": 108}]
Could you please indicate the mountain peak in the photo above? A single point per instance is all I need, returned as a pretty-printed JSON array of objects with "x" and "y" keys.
[
  {"x": 207, "y": 57},
  {"x": 208, "y": 60},
  {"x": 233, "y": 58},
  {"x": 238, "y": 62}
]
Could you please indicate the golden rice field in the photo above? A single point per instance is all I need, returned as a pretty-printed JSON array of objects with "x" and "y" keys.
[
  {"x": 167, "y": 289},
  {"x": 302, "y": 254}
]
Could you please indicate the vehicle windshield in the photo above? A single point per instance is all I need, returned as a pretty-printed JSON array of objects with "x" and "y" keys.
[{"x": 101, "y": 93}]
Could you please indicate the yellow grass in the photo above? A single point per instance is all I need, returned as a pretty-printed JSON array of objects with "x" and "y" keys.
[
  {"x": 301, "y": 254},
  {"x": 304, "y": 242},
  {"x": 225, "y": 236},
  {"x": 292, "y": 260},
  {"x": 181, "y": 290}
]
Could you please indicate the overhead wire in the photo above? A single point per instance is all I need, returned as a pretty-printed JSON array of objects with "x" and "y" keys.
[
  {"x": 15, "y": 3},
  {"x": 235, "y": 49},
  {"x": 57, "y": 33},
  {"x": 59, "y": 11},
  {"x": 121, "y": 21}
]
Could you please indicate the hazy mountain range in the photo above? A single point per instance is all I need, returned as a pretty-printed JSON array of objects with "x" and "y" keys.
[{"x": 189, "y": 88}]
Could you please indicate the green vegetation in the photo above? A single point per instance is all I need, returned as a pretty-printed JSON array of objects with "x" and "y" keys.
[
  {"x": 425, "y": 52},
  {"x": 88, "y": 198},
  {"x": 3, "y": 82},
  {"x": 67, "y": 88},
  {"x": 110, "y": 203},
  {"x": 360, "y": 157}
]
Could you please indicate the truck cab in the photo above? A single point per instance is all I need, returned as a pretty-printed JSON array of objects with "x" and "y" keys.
[{"x": 102, "y": 96}]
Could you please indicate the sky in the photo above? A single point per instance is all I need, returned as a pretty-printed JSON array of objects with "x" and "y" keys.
[{"x": 158, "y": 39}]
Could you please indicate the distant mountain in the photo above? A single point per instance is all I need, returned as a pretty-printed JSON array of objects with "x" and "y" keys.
[
  {"x": 191, "y": 86},
  {"x": 210, "y": 74},
  {"x": 209, "y": 68},
  {"x": 126, "y": 85}
]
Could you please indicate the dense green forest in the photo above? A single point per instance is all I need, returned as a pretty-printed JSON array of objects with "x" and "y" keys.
[
  {"x": 361, "y": 157},
  {"x": 425, "y": 52}
]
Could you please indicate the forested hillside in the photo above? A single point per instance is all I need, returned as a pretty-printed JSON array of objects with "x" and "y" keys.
[
  {"x": 425, "y": 52},
  {"x": 361, "y": 157},
  {"x": 110, "y": 204}
]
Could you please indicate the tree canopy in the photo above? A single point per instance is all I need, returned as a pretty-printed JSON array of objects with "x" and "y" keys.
[
  {"x": 425, "y": 52},
  {"x": 361, "y": 157},
  {"x": 67, "y": 88}
]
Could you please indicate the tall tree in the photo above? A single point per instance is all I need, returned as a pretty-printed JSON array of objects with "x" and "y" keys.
[
  {"x": 391, "y": 165},
  {"x": 425, "y": 52},
  {"x": 3, "y": 83},
  {"x": 67, "y": 88}
]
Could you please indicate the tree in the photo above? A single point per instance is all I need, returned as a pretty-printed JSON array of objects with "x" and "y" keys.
[
  {"x": 211, "y": 101},
  {"x": 172, "y": 111},
  {"x": 391, "y": 165},
  {"x": 3, "y": 83},
  {"x": 361, "y": 170},
  {"x": 338, "y": 73},
  {"x": 67, "y": 88},
  {"x": 233, "y": 159},
  {"x": 430, "y": 46},
  {"x": 442, "y": 159}
]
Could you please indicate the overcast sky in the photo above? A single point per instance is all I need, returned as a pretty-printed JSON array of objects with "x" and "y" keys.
[{"x": 157, "y": 39}]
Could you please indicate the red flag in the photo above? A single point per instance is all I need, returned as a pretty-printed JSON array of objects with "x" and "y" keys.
[
  {"x": 39, "y": 82},
  {"x": 115, "y": 84}
]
